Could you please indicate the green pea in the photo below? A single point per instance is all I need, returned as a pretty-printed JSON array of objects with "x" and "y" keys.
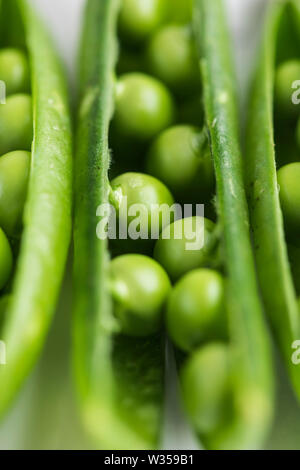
[
  {"x": 139, "y": 18},
  {"x": 171, "y": 57},
  {"x": 287, "y": 73},
  {"x": 14, "y": 71},
  {"x": 185, "y": 245},
  {"x": 144, "y": 107},
  {"x": 205, "y": 380},
  {"x": 180, "y": 157},
  {"x": 139, "y": 289},
  {"x": 288, "y": 180},
  {"x": 16, "y": 124},
  {"x": 6, "y": 259},
  {"x": 153, "y": 198},
  {"x": 14, "y": 176},
  {"x": 196, "y": 310}
]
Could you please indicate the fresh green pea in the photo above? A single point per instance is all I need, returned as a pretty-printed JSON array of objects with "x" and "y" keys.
[
  {"x": 196, "y": 310},
  {"x": 288, "y": 180},
  {"x": 144, "y": 107},
  {"x": 14, "y": 71},
  {"x": 16, "y": 126},
  {"x": 171, "y": 57},
  {"x": 153, "y": 198},
  {"x": 6, "y": 259},
  {"x": 287, "y": 73},
  {"x": 139, "y": 18},
  {"x": 180, "y": 157},
  {"x": 139, "y": 289},
  {"x": 205, "y": 380},
  {"x": 185, "y": 245},
  {"x": 14, "y": 176}
]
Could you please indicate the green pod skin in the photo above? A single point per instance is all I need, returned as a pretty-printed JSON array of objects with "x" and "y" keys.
[
  {"x": 144, "y": 107},
  {"x": 180, "y": 157},
  {"x": 185, "y": 245},
  {"x": 196, "y": 309},
  {"x": 288, "y": 180},
  {"x": 171, "y": 57},
  {"x": 6, "y": 260},
  {"x": 14, "y": 177},
  {"x": 267, "y": 222},
  {"x": 153, "y": 197},
  {"x": 14, "y": 71},
  {"x": 140, "y": 288},
  {"x": 252, "y": 385},
  {"x": 286, "y": 74},
  {"x": 47, "y": 217},
  {"x": 138, "y": 19},
  {"x": 130, "y": 398},
  {"x": 207, "y": 394},
  {"x": 16, "y": 125}
]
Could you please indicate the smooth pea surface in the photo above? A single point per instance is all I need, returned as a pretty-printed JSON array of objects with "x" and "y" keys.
[
  {"x": 144, "y": 107},
  {"x": 152, "y": 196},
  {"x": 16, "y": 124},
  {"x": 171, "y": 57},
  {"x": 139, "y": 18},
  {"x": 205, "y": 380},
  {"x": 185, "y": 245},
  {"x": 196, "y": 311},
  {"x": 287, "y": 73},
  {"x": 139, "y": 288},
  {"x": 288, "y": 180},
  {"x": 6, "y": 259},
  {"x": 14, "y": 176},
  {"x": 14, "y": 71},
  {"x": 180, "y": 157}
]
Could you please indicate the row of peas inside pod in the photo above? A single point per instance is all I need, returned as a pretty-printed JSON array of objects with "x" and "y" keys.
[
  {"x": 160, "y": 155},
  {"x": 287, "y": 144},
  {"x": 16, "y": 134}
]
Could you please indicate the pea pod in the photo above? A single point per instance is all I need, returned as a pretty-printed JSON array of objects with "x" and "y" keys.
[
  {"x": 252, "y": 381},
  {"x": 47, "y": 218},
  {"x": 120, "y": 380},
  {"x": 281, "y": 41}
]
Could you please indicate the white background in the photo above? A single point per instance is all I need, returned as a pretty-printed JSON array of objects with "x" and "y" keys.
[{"x": 45, "y": 416}]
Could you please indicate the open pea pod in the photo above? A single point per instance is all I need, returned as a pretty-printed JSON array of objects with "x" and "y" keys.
[
  {"x": 280, "y": 42},
  {"x": 47, "y": 218},
  {"x": 252, "y": 380},
  {"x": 120, "y": 380}
]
